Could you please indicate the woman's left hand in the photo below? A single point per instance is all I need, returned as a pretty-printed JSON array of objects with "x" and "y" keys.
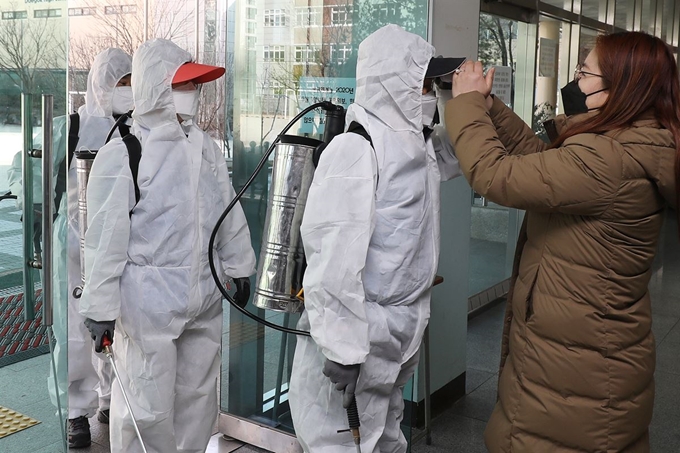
[{"x": 470, "y": 77}]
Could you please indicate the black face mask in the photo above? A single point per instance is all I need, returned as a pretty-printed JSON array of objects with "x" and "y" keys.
[{"x": 574, "y": 100}]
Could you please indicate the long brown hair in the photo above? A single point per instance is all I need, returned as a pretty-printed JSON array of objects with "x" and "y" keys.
[{"x": 640, "y": 74}]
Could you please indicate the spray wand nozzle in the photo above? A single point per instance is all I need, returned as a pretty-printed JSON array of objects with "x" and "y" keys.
[{"x": 354, "y": 424}]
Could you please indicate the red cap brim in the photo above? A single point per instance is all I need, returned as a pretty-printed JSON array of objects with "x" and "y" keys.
[{"x": 197, "y": 73}]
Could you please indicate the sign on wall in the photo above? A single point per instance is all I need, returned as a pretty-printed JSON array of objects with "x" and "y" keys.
[
  {"x": 547, "y": 60},
  {"x": 502, "y": 84},
  {"x": 338, "y": 90}
]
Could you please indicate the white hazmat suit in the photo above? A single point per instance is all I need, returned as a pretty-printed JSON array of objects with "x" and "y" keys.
[
  {"x": 89, "y": 374},
  {"x": 371, "y": 238},
  {"x": 149, "y": 270}
]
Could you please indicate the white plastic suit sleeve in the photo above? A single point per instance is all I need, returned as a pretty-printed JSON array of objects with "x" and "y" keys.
[
  {"x": 447, "y": 161},
  {"x": 446, "y": 155},
  {"x": 336, "y": 231},
  {"x": 233, "y": 244},
  {"x": 110, "y": 196}
]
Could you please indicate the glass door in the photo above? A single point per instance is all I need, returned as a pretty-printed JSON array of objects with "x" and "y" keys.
[
  {"x": 33, "y": 403},
  {"x": 508, "y": 45},
  {"x": 283, "y": 55}
]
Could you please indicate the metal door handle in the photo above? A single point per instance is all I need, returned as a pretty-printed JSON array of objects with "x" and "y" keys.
[
  {"x": 28, "y": 208},
  {"x": 48, "y": 205}
]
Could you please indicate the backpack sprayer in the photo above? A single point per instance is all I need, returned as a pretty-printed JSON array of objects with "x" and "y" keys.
[{"x": 282, "y": 262}]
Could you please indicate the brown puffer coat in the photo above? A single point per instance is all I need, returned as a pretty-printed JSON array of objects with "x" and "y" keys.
[{"x": 578, "y": 349}]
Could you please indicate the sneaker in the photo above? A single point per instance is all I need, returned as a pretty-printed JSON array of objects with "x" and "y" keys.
[
  {"x": 103, "y": 417},
  {"x": 79, "y": 433}
]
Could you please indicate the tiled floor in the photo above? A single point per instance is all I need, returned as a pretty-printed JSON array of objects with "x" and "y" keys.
[{"x": 460, "y": 428}]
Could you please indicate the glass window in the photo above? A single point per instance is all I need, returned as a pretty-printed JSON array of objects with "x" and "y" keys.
[
  {"x": 624, "y": 15},
  {"x": 306, "y": 54},
  {"x": 251, "y": 13},
  {"x": 8, "y": 15},
  {"x": 647, "y": 21},
  {"x": 42, "y": 13},
  {"x": 339, "y": 53},
  {"x": 250, "y": 27},
  {"x": 667, "y": 20},
  {"x": 387, "y": 10},
  {"x": 274, "y": 53},
  {"x": 81, "y": 11},
  {"x": 274, "y": 18},
  {"x": 309, "y": 16},
  {"x": 594, "y": 9},
  {"x": 341, "y": 15}
]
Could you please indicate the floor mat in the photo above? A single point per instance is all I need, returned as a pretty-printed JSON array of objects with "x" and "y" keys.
[
  {"x": 12, "y": 422},
  {"x": 20, "y": 339}
]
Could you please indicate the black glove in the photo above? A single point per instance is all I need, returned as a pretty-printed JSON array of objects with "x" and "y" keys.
[
  {"x": 242, "y": 291},
  {"x": 99, "y": 330},
  {"x": 344, "y": 377}
]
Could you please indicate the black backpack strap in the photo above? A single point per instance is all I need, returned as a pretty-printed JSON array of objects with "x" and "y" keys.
[
  {"x": 357, "y": 128},
  {"x": 73, "y": 137},
  {"x": 134, "y": 148}
]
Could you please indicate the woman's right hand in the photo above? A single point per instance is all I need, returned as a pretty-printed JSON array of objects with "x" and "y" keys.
[{"x": 470, "y": 77}]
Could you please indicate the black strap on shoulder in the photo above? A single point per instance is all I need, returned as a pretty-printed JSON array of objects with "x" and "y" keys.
[
  {"x": 134, "y": 148},
  {"x": 357, "y": 128},
  {"x": 73, "y": 137}
]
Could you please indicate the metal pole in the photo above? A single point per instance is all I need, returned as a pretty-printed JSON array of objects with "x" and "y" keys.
[
  {"x": 27, "y": 214},
  {"x": 109, "y": 353},
  {"x": 146, "y": 20},
  {"x": 48, "y": 205},
  {"x": 428, "y": 407},
  {"x": 196, "y": 26}
]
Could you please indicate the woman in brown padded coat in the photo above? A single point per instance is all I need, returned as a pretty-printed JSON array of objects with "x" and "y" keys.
[{"x": 577, "y": 370}]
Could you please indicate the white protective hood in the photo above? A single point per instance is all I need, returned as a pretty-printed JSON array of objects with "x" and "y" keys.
[
  {"x": 153, "y": 68},
  {"x": 389, "y": 82},
  {"x": 107, "y": 69}
]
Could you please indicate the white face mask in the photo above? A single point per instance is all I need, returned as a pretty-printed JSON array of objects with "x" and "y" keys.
[
  {"x": 121, "y": 101},
  {"x": 186, "y": 103},
  {"x": 429, "y": 106}
]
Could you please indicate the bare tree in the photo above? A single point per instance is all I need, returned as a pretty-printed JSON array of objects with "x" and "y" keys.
[
  {"x": 29, "y": 50},
  {"x": 123, "y": 26}
]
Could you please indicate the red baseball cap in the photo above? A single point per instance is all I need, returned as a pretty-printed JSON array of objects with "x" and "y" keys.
[{"x": 197, "y": 73}]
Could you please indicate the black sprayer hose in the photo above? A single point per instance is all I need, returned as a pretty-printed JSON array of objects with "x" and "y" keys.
[
  {"x": 123, "y": 117},
  {"x": 325, "y": 105}
]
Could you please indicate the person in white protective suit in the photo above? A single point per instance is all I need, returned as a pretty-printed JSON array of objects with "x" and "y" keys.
[
  {"x": 372, "y": 258},
  {"x": 108, "y": 96},
  {"x": 147, "y": 273},
  {"x": 88, "y": 376}
]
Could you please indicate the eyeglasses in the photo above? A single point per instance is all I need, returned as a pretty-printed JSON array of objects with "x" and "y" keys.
[{"x": 580, "y": 73}]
